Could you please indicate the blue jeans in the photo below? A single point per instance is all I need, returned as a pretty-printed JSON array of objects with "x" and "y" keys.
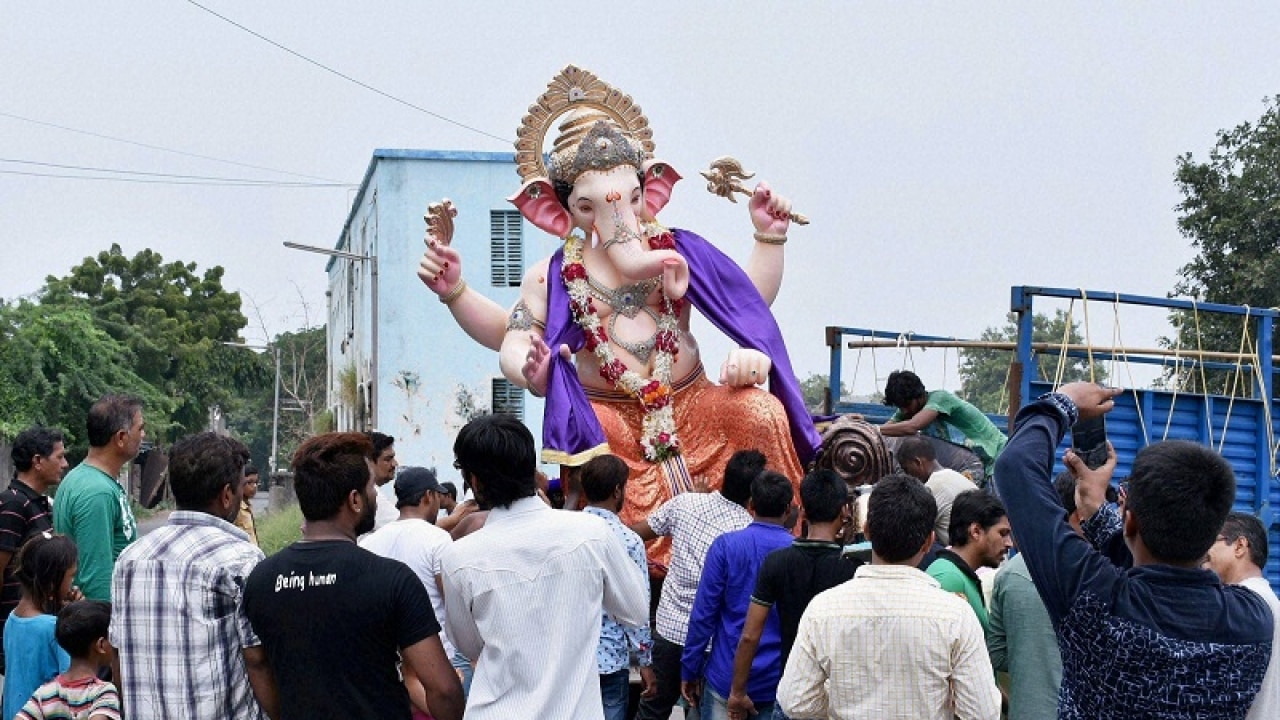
[
  {"x": 615, "y": 691},
  {"x": 463, "y": 665},
  {"x": 715, "y": 707}
]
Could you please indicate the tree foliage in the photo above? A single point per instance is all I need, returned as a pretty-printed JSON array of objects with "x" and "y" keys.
[
  {"x": 1231, "y": 214},
  {"x": 171, "y": 320},
  {"x": 984, "y": 373},
  {"x": 814, "y": 389},
  {"x": 55, "y": 362}
]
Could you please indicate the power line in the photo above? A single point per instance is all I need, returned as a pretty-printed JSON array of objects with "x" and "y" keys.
[
  {"x": 348, "y": 78},
  {"x": 160, "y": 148},
  {"x": 231, "y": 183},
  {"x": 247, "y": 181}
]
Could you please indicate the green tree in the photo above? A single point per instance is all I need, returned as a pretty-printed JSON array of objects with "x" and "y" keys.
[
  {"x": 814, "y": 388},
  {"x": 55, "y": 362},
  {"x": 984, "y": 373},
  {"x": 1231, "y": 214},
  {"x": 171, "y": 320}
]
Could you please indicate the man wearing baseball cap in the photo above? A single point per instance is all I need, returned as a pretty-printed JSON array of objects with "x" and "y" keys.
[{"x": 412, "y": 538}]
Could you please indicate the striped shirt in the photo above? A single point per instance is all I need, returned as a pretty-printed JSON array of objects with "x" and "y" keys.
[
  {"x": 23, "y": 513},
  {"x": 890, "y": 643},
  {"x": 178, "y": 621},
  {"x": 63, "y": 699},
  {"x": 693, "y": 521}
]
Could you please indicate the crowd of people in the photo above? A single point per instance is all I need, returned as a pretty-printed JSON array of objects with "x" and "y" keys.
[{"x": 403, "y": 600}]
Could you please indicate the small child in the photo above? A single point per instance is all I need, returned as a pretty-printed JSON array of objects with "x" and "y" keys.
[
  {"x": 78, "y": 694},
  {"x": 46, "y": 566}
]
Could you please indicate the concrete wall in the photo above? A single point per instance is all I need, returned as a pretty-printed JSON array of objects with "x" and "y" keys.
[{"x": 425, "y": 361}]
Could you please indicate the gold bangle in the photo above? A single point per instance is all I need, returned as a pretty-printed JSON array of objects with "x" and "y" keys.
[
  {"x": 771, "y": 238},
  {"x": 455, "y": 293}
]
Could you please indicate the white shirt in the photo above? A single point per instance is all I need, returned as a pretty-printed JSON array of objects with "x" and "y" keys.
[
  {"x": 387, "y": 511},
  {"x": 890, "y": 643},
  {"x": 1266, "y": 705},
  {"x": 945, "y": 485},
  {"x": 418, "y": 544},
  {"x": 524, "y": 596}
]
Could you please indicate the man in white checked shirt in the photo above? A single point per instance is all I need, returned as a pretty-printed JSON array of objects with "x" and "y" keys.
[
  {"x": 186, "y": 648},
  {"x": 890, "y": 643}
]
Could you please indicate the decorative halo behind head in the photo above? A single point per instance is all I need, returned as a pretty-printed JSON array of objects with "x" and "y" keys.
[{"x": 618, "y": 129}]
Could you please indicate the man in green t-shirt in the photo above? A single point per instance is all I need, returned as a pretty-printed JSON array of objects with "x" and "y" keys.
[
  {"x": 938, "y": 412},
  {"x": 980, "y": 537},
  {"x": 91, "y": 507}
]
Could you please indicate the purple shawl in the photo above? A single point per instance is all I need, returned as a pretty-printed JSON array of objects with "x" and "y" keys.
[{"x": 723, "y": 293}]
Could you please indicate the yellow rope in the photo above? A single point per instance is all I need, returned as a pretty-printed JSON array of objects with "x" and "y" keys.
[
  {"x": 1204, "y": 381},
  {"x": 1088, "y": 339},
  {"x": 1266, "y": 405},
  {"x": 1236, "y": 378},
  {"x": 1117, "y": 348},
  {"x": 1178, "y": 378},
  {"x": 1003, "y": 408},
  {"x": 1066, "y": 337}
]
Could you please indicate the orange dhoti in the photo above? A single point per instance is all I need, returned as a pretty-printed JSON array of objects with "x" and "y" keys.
[{"x": 713, "y": 422}]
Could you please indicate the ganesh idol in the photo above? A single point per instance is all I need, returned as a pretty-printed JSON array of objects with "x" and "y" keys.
[{"x": 601, "y": 329}]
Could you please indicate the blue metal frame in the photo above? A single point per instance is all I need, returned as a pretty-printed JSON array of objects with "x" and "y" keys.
[{"x": 1242, "y": 428}]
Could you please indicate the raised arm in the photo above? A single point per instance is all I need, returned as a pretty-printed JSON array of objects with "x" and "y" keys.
[
  {"x": 440, "y": 269},
  {"x": 769, "y": 214},
  {"x": 1062, "y": 564}
]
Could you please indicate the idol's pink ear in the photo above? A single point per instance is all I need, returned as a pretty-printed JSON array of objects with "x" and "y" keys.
[
  {"x": 658, "y": 179},
  {"x": 537, "y": 202}
]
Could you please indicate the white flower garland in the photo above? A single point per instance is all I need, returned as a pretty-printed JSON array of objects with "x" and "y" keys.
[{"x": 658, "y": 431}]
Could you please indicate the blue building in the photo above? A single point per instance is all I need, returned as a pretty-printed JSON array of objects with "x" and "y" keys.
[{"x": 398, "y": 363}]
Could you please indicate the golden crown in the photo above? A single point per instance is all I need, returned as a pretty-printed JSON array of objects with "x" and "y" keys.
[{"x": 605, "y": 129}]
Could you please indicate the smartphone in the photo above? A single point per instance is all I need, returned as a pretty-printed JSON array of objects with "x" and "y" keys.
[{"x": 1089, "y": 441}]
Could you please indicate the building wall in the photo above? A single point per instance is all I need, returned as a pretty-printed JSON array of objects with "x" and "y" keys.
[{"x": 427, "y": 366}]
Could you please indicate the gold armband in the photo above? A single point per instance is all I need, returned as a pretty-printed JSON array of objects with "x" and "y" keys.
[{"x": 771, "y": 238}]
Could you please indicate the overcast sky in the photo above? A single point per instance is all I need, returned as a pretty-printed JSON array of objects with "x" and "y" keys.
[{"x": 943, "y": 151}]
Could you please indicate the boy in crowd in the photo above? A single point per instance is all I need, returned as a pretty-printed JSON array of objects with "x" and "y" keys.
[{"x": 78, "y": 693}]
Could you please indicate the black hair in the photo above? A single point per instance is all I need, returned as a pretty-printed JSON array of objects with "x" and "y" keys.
[
  {"x": 201, "y": 465},
  {"x": 823, "y": 494},
  {"x": 250, "y": 469},
  {"x": 498, "y": 451},
  {"x": 900, "y": 515},
  {"x": 742, "y": 468},
  {"x": 109, "y": 416},
  {"x": 380, "y": 442},
  {"x": 32, "y": 442},
  {"x": 40, "y": 567},
  {"x": 914, "y": 447},
  {"x": 80, "y": 625},
  {"x": 1243, "y": 525},
  {"x": 973, "y": 506},
  {"x": 1065, "y": 484},
  {"x": 450, "y": 489},
  {"x": 327, "y": 468},
  {"x": 601, "y": 476},
  {"x": 1180, "y": 493},
  {"x": 771, "y": 494},
  {"x": 902, "y": 387}
]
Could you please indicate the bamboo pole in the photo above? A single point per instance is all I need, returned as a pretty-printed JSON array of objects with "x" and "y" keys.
[{"x": 1055, "y": 347}]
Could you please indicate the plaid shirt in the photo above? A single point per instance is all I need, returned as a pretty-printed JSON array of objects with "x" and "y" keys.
[
  {"x": 693, "y": 521},
  {"x": 179, "y": 623}
]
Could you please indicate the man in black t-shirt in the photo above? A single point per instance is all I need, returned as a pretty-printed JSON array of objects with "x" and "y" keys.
[
  {"x": 792, "y": 576},
  {"x": 341, "y": 625},
  {"x": 39, "y": 459}
]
